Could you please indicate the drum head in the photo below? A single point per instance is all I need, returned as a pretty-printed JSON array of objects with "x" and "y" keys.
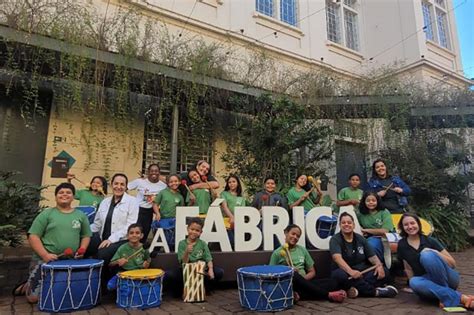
[
  {"x": 73, "y": 263},
  {"x": 141, "y": 274},
  {"x": 266, "y": 271}
]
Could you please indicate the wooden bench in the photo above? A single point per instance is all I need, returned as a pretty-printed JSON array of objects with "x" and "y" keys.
[{"x": 231, "y": 261}]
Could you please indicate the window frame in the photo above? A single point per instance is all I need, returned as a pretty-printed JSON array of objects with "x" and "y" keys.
[
  {"x": 277, "y": 11},
  {"x": 440, "y": 35},
  {"x": 342, "y": 8}
]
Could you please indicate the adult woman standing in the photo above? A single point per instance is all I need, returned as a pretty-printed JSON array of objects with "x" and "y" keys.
[
  {"x": 352, "y": 254},
  {"x": 115, "y": 215},
  {"x": 429, "y": 266},
  {"x": 392, "y": 189},
  {"x": 147, "y": 188}
]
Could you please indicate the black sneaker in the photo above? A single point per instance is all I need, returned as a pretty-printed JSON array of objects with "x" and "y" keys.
[{"x": 387, "y": 291}]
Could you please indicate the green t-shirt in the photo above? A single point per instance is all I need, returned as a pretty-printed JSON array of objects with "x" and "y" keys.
[
  {"x": 136, "y": 262},
  {"x": 233, "y": 201},
  {"x": 347, "y": 193},
  {"x": 87, "y": 198},
  {"x": 58, "y": 230},
  {"x": 200, "y": 251},
  {"x": 293, "y": 195},
  {"x": 379, "y": 220},
  {"x": 302, "y": 260},
  {"x": 168, "y": 201},
  {"x": 203, "y": 199}
]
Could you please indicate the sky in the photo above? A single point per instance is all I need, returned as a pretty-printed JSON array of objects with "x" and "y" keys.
[{"x": 465, "y": 24}]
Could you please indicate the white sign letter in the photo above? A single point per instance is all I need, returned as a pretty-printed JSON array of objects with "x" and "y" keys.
[
  {"x": 214, "y": 217},
  {"x": 270, "y": 228},
  {"x": 250, "y": 227}
]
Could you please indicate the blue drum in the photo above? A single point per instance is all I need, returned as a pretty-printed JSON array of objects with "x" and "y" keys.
[
  {"x": 140, "y": 289},
  {"x": 169, "y": 228},
  {"x": 265, "y": 288},
  {"x": 89, "y": 211},
  {"x": 326, "y": 226},
  {"x": 70, "y": 285}
]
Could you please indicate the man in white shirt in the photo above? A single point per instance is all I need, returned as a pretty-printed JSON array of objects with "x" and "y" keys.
[{"x": 147, "y": 188}]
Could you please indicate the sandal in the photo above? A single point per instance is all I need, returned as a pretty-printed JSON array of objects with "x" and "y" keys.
[
  {"x": 352, "y": 293},
  {"x": 337, "y": 296},
  {"x": 296, "y": 297},
  {"x": 19, "y": 289}
]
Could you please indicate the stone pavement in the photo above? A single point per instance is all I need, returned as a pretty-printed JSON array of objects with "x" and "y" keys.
[{"x": 226, "y": 301}]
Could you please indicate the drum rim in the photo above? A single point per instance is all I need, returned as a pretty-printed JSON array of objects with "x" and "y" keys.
[
  {"x": 269, "y": 275},
  {"x": 123, "y": 275},
  {"x": 94, "y": 264}
]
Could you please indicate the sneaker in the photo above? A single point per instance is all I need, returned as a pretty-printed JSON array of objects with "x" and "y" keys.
[
  {"x": 337, "y": 296},
  {"x": 352, "y": 293},
  {"x": 387, "y": 291}
]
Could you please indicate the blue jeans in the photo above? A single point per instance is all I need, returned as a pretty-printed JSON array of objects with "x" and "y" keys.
[
  {"x": 376, "y": 243},
  {"x": 439, "y": 282}
]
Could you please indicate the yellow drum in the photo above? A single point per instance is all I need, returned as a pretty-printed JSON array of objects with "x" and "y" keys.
[
  {"x": 141, "y": 288},
  {"x": 226, "y": 221},
  {"x": 426, "y": 227}
]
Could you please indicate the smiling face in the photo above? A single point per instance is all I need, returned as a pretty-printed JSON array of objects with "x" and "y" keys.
[
  {"x": 194, "y": 231},
  {"x": 233, "y": 184},
  {"x": 203, "y": 168},
  {"x": 154, "y": 174},
  {"x": 64, "y": 197},
  {"x": 119, "y": 186},
  {"x": 96, "y": 184},
  {"x": 371, "y": 202},
  {"x": 270, "y": 185},
  {"x": 301, "y": 181},
  {"x": 173, "y": 182},
  {"x": 380, "y": 169},
  {"x": 292, "y": 236},
  {"x": 347, "y": 225},
  {"x": 194, "y": 176},
  {"x": 410, "y": 226},
  {"x": 134, "y": 235}
]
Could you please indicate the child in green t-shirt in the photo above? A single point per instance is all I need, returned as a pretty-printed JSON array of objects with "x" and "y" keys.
[
  {"x": 374, "y": 221},
  {"x": 200, "y": 196},
  {"x": 305, "y": 285},
  {"x": 165, "y": 203},
  {"x": 190, "y": 250},
  {"x": 350, "y": 196},
  {"x": 59, "y": 232},
  {"x": 93, "y": 195},
  {"x": 129, "y": 256}
]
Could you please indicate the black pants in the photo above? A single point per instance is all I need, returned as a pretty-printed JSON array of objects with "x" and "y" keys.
[
  {"x": 314, "y": 289},
  {"x": 174, "y": 281},
  {"x": 366, "y": 284},
  {"x": 105, "y": 254},
  {"x": 145, "y": 217}
]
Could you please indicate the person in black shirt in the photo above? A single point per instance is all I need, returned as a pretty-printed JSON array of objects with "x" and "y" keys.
[
  {"x": 429, "y": 266},
  {"x": 352, "y": 255}
]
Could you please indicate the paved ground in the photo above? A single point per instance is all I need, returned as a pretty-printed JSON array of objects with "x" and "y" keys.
[{"x": 226, "y": 301}]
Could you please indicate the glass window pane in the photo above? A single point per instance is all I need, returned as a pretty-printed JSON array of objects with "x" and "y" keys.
[
  {"x": 265, "y": 7},
  {"x": 442, "y": 28},
  {"x": 440, "y": 3},
  {"x": 333, "y": 24},
  {"x": 288, "y": 11},
  {"x": 428, "y": 22},
  {"x": 351, "y": 28},
  {"x": 350, "y": 3}
]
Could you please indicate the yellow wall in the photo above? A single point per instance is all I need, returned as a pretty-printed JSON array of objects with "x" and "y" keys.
[{"x": 107, "y": 149}]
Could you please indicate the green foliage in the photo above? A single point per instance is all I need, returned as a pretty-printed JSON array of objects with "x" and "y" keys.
[
  {"x": 277, "y": 141},
  {"x": 19, "y": 204},
  {"x": 432, "y": 171}
]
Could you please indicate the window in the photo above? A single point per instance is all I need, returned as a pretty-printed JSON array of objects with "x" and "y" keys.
[
  {"x": 343, "y": 31},
  {"x": 436, "y": 22},
  {"x": 287, "y": 10},
  {"x": 427, "y": 19}
]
